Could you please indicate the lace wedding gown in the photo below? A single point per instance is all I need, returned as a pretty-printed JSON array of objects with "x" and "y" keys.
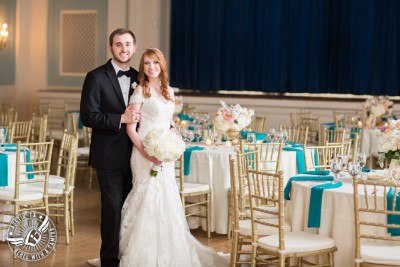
[{"x": 154, "y": 231}]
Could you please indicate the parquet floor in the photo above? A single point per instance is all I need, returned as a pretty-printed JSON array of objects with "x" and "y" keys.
[{"x": 86, "y": 242}]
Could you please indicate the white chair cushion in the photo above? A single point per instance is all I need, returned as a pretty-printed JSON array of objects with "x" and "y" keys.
[
  {"x": 382, "y": 253},
  {"x": 262, "y": 215},
  {"x": 297, "y": 242},
  {"x": 55, "y": 134},
  {"x": 83, "y": 150},
  {"x": 245, "y": 227},
  {"x": 193, "y": 188},
  {"x": 26, "y": 193}
]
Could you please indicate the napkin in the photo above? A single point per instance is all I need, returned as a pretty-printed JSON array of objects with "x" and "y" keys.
[
  {"x": 294, "y": 144},
  {"x": 393, "y": 219},
  {"x": 317, "y": 172},
  {"x": 314, "y": 212},
  {"x": 184, "y": 117},
  {"x": 187, "y": 155},
  {"x": 3, "y": 170},
  {"x": 288, "y": 186},
  {"x": 259, "y": 136},
  {"x": 365, "y": 170}
]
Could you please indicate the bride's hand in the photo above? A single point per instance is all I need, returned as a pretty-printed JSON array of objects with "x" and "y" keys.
[{"x": 155, "y": 161}]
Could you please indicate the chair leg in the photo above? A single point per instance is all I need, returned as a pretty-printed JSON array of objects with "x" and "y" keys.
[
  {"x": 66, "y": 219},
  {"x": 90, "y": 177},
  {"x": 71, "y": 213},
  {"x": 208, "y": 215},
  {"x": 229, "y": 234},
  {"x": 234, "y": 249}
]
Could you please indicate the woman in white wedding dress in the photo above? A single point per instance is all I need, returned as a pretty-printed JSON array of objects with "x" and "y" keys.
[{"x": 154, "y": 231}]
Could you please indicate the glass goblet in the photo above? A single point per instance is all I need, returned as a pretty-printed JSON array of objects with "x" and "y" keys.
[
  {"x": 354, "y": 168},
  {"x": 361, "y": 159},
  {"x": 336, "y": 168}
]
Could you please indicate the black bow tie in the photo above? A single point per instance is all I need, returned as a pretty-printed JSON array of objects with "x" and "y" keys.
[{"x": 122, "y": 73}]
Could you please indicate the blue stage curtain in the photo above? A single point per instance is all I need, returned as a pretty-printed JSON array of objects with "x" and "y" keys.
[{"x": 294, "y": 46}]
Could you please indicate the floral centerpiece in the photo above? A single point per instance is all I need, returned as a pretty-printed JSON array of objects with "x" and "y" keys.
[
  {"x": 388, "y": 140},
  {"x": 232, "y": 117},
  {"x": 164, "y": 145},
  {"x": 376, "y": 107}
]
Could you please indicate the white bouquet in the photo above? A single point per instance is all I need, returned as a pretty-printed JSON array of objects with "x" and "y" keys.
[
  {"x": 388, "y": 139},
  {"x": 232, "y": 117},
  {"x": 164, "y": 145}
]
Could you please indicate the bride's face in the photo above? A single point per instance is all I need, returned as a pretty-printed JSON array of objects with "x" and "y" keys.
[{"x": 151, "y": 67}]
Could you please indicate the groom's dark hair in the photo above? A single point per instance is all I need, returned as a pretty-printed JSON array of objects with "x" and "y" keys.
[{"x": 121, "y": 31}]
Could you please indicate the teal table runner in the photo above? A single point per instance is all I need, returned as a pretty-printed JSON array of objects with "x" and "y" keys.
[
  {"x": 301, "y": 166},
  {"x": 288, "y": 186},
  {"x": 314, "y": 212},
  {"x": 13, "y": 148},
  {"x": 3, "y": 170},
  {"x": 187, "y": 155},
  {"x": 393, "y": 219}
]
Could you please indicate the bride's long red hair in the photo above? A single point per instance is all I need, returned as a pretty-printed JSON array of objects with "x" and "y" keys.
[{"x": 158, "y": 56}]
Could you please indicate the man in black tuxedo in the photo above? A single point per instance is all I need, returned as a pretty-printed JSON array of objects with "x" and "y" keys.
[{"x": 104, "y": 100}]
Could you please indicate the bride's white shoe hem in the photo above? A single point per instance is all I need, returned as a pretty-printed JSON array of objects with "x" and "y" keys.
[{"x": 95, "y": 262}]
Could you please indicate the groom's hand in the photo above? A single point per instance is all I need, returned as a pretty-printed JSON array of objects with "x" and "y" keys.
[{"x": 130, "y": 115}]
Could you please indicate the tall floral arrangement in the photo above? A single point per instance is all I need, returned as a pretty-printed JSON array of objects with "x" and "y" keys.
[
  {"x": 388, "y": 140},
  {"x": 378, "y": 106},
  {"x": 232, "y": 117}
]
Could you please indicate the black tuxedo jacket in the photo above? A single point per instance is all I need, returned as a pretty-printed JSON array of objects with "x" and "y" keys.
[{"x": 101, "y": 107}]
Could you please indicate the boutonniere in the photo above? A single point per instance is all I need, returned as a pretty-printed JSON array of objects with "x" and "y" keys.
[{"x": 134, "y": 85}]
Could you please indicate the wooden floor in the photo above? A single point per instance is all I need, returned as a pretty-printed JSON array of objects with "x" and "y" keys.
[{"x": 86, "y": 242}]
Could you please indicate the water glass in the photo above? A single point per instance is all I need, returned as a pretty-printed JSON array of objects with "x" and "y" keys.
[
  {"x": 362, "y": 159},
  {"x": 336, "y": 168},
  {"x": 251, "y": 138}
]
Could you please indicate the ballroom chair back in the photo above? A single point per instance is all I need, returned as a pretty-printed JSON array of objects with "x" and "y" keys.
[
  {"x": 319, "y": 157},
  {"x": 39, "y": 128},
  {"x": 336, "y": 135},
  {"x": 258, "y": 124},
  {"x": 296, "y": 134},
  {"x": 83, "y": 155},
  {"x": 347, "y": 119},
  {"x": 19, "y": 131},
  {"x": 195, "y": 207},
  {"x": 29, "y": 189},
  {"x": 377, "y": 228},
  {"x": 314, "y": 125},
  {"x": 296, "y": 117},
  {"x": 56, "y": 122},
  {"x": 268, "y": 188},
  {"x": 6, "y": 117}
]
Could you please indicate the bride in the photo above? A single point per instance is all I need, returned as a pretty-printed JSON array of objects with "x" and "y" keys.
[{"x": 154, "y": 231}]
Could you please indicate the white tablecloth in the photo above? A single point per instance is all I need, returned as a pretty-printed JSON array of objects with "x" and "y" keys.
[
  {"x": 212, "y": 167},
  {"x": 337, "y": 217}
]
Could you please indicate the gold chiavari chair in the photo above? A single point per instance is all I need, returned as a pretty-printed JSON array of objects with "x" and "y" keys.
[
  {"x": 199, "y": 204},
  {"x": 62, "y": 183},
  {"x": 336, "y": 135},
  {"x": 19, "y": 131},
  {"x": 244, "y": 160},
  {"x": 39, "y": 128},
  {"x": 55, "y": 122},
  {"x": 24, "y": 195},
  {"x": 83, "y": 155},
  {"x": 296, "y": 117},
  {"x": 296, "y": 134},
  {"x": 376, "y": 213},
  {"x": 258, "y": 124},
  {"x": 7, "y": 117},
  {"x": 319, "y": 157},
  {"x": 314, "y": 125},
  {"x": 268, "y": 188},
  {"x": 347, "y": 119}
]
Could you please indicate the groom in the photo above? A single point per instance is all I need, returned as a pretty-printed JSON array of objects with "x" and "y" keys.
[{"x": 105, "y": 95}]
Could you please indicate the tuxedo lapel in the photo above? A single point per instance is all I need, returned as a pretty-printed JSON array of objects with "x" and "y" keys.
[{"x": 114, "y": 80}]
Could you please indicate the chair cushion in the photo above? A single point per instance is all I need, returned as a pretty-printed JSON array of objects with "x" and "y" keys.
[
  {"x": 297, "y": 242},
  {"x": 193, "y": 188},
  {"x": 245, "y": 227},
  {"x": 382, "y": 253},
  {"x": 26, "y": 193},
  {"x": 83, "y": 150},
  {"x": 54, "y": 189}
]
